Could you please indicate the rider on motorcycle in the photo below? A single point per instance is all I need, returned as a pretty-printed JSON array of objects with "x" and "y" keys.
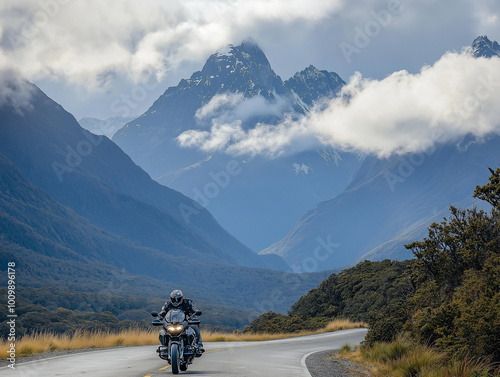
[{"x": 177, "y": 301}]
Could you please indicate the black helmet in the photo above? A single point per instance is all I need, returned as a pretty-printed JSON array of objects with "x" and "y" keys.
[{"x": 176, "y": 297}]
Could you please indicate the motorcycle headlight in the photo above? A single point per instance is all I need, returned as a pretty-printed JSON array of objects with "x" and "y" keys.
[{"x": 175, "y": 329}]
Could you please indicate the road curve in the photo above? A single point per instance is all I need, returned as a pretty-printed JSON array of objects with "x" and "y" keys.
[{"x": 284, "y": 357}]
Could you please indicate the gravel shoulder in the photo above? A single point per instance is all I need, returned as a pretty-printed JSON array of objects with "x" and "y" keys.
[{"x": 324, "y": 364}]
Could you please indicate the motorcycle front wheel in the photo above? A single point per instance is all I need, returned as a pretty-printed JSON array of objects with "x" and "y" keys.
[{"x": 175, "y": 358}]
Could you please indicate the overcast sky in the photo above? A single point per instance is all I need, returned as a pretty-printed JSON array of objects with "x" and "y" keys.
[{"x": 87, "y": 54}]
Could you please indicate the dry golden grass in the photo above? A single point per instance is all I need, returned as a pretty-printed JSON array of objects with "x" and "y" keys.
[
  {"x": 336, "y": 325},
  {"x": 39, "y": 343},
  {"x": 343, "y": 324},
  {"x": 405, "y": 358},
  {"x": 44, "y": 342}
]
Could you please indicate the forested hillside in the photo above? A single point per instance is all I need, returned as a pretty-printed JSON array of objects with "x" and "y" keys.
[
  {"x": 358, "y": 293},
  {"x": 66, "y": 311}
]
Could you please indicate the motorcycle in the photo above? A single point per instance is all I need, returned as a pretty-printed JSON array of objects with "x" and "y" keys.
[{"x": 182, "y": 345}]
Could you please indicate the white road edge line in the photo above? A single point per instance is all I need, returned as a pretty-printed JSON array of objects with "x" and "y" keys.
[
  {"x": 303, "y": 363},
  {"x": 84, "y": 351}
]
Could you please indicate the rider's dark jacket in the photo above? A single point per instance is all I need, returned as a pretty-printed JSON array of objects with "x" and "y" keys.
[{"x": 187, "y": 307}]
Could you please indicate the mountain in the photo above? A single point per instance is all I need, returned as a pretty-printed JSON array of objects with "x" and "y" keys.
[
  {"x": 106, "y": 127},
  {"x": 391, "y": 202},
  {"x": 483, "y": 47},
  {"x": 311, "y": 85},
  {"x": 91, "y": 175},
  {"x": 238, "y": 86}
]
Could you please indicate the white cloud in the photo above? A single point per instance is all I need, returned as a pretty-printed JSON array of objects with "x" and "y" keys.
[
  {"x": 78, "y": 41},
  {"x": 258, "y": 106},
  {"x": 220, "y": 136},
  {"x": 227, "y": 114},
  {"x": 218, "y": 105},
  {"x": 404, "y": 112},
  {"x": 15, "y": 91}
]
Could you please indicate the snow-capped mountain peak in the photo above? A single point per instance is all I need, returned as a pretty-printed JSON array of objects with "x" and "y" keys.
[
  {"x": 483, "y": 47},
  {"x": 243, "y": 69},
  {"x": 225, "y": 51},
  {"x": 312, "y": 84}
]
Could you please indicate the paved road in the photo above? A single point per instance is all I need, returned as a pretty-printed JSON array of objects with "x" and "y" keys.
[{"x": 284, "y": 357}]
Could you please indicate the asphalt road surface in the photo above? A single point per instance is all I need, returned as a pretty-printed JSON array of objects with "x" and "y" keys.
[{"x": 284, "y": 357}]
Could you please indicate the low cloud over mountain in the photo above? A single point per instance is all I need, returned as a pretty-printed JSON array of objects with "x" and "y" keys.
[
  {"x": 14, "y": 90},
  {"x": 402, "y": 113}
]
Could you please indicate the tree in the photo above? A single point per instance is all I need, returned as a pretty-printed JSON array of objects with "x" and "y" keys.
[
  {"x": 491, "y": 191},
  {"x": 456, "y": 305}
]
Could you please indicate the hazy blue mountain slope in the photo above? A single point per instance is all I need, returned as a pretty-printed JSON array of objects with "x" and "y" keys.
[
  {"x": 391, "y": 200},
  {"x": 395, "y": 249},
  {"x": 106, "y": 127}
]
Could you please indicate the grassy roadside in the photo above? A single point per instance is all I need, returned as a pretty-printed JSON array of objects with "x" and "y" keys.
[
  {"x": 405, "y": 358},
  {"x": 40, "y": 343}
]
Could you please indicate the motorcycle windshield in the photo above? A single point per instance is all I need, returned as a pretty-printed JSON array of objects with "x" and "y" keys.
[{"x": 175, "y": 316}]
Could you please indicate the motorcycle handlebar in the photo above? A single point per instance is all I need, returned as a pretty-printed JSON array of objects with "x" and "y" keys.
[{"x": 158, "y": 320}]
